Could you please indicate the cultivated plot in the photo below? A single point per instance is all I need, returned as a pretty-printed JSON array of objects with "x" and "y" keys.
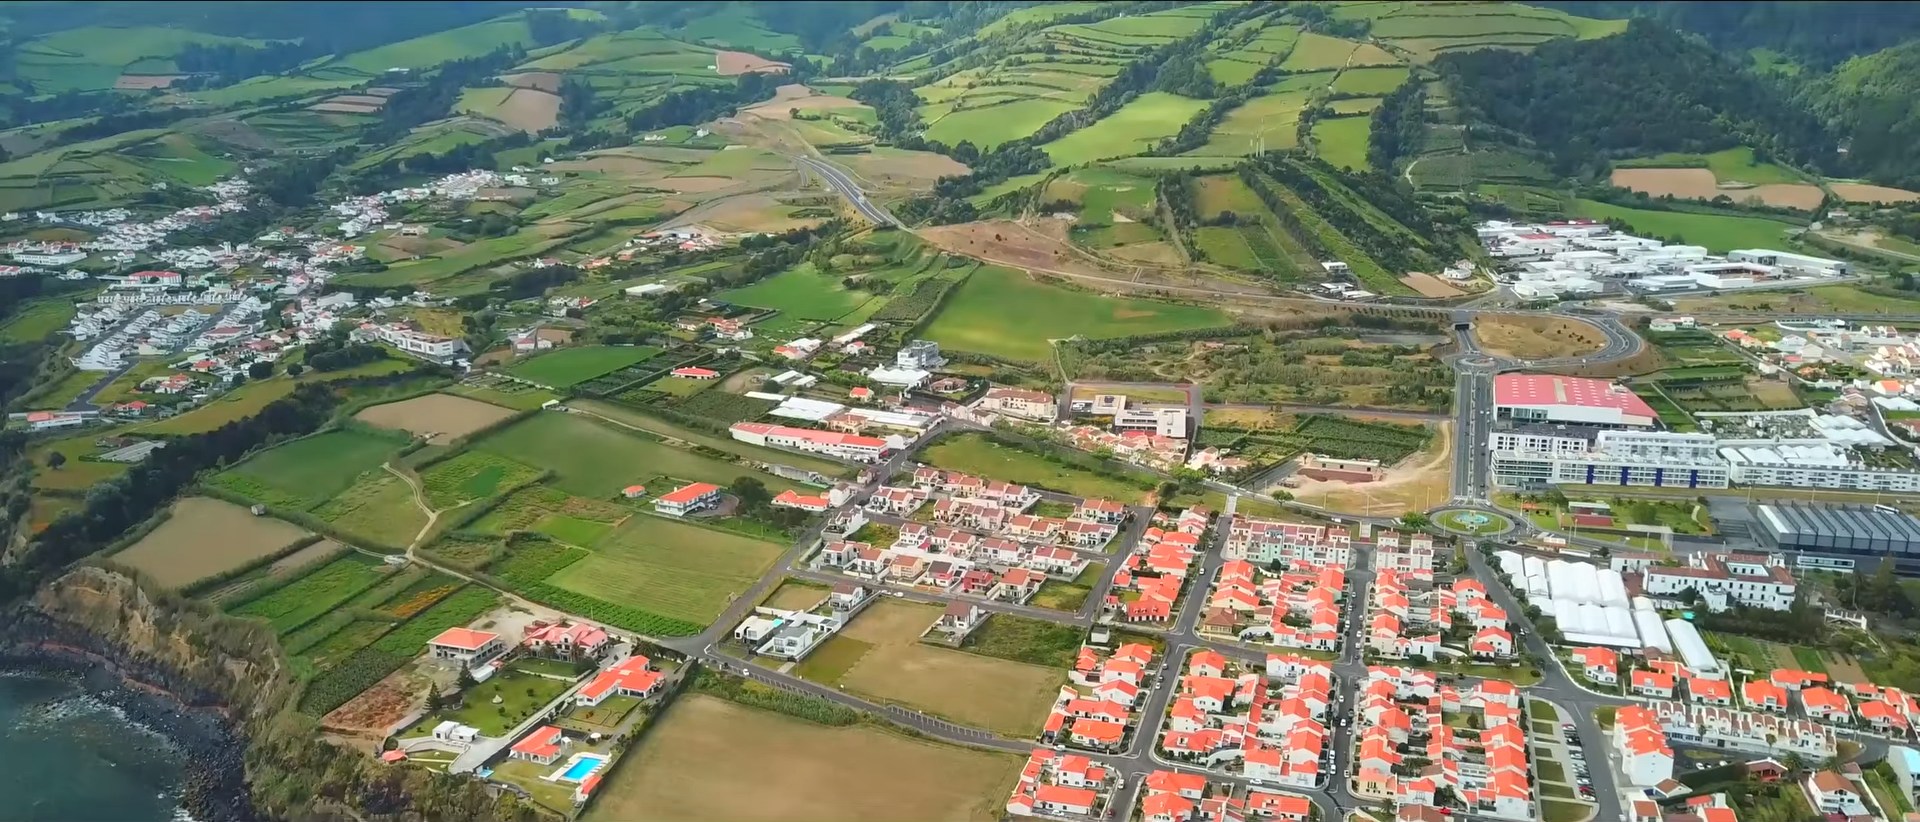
[{"x": 204, "y": 537}]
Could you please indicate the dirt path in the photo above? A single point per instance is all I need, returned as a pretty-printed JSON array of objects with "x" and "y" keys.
[{"x": 419, "y": 501}]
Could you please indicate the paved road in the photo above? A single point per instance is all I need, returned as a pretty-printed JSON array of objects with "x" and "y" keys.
[{"x": 846, "y": 188}]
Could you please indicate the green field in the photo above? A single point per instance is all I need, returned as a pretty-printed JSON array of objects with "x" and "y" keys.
[
  {"x": 670, "y": 568},
  {"x": 1342, "y": 141},
  {"x": 569, "y": 367},
  {"x": 802, "y": 292},
  {"x": 1005, "y": 313},
  {"x": 35, "y": 320},
  {"x": 472, "y": 475},
  {"x": 1370, "y": 81},
  {"x": 975, "y": 454},
  {"x": 1134, "y": 128},
  {"x": 1318, "y": 51},
  {"x": 989, "y": 126},
  {"x": 93, "y": 57},
  {"x": 596, "y": 460},
  {"x": 315, "y": 594},
  {"x": 307, "y": 472},
  {"x": 1717, "y": 232}
]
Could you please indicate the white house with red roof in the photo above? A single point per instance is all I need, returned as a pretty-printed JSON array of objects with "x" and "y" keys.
[
  {"x": 688, "y": 499},
  {"x": 567, "y": 640},
  {"x": 695, "y": 373},
  {"x": 832, "y": 443},
  {"x": 542, "y": 746},
  {"x": 466, "y": 646},
  {"x": 631, "y": 677}
]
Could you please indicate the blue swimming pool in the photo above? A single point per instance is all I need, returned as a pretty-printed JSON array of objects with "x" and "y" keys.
[{"x": 583, "y": 768}]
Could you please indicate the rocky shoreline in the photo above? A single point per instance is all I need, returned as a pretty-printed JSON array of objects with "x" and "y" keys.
[{"x": 215, "y": 788}]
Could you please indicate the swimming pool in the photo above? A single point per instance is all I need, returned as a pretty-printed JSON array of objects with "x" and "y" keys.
[{"x": 582, "y": 767}]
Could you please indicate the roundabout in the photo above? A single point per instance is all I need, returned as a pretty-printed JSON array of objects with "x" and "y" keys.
[{"x": 1472, "y": 523}]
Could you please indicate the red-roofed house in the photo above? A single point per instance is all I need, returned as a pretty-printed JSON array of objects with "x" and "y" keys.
[
  {"x": 1600, "y": 665},
  {"x": 575, "y": 640},
  {"x": 542, "y": 746},
  {"x": 693, "y": 373},
  {"x": 688, "y": 499},
  {"x": 805, "y": 502},
  {"x": 1097, "y": 733},
  {"x": 1059, "y": 799},
  {"x": 1653, "y": 683},
  {"x": 1764, "y": 695},
  {"x": 1710, "y": 691},
  {"x": 466, "y": 646},
  {"x": 631, "y": 677}
]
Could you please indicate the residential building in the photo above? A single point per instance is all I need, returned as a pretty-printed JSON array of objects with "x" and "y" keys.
[
  {"x": 466, "y": 646},
  {"x": 630, "y": 677},
  {"x": 541, "y": 747},
  {"x": 1615, "y": 458},
  {"x": 1645, "y": 757},
  {"x": 1020, "y": 402},
  {"x": 688, "y": 499},
  {"x": 1724, "y": 579},
  {"x": 566, "y": 640},
  {"x": 1833, "y": 795},
  {"x": 919, "y": 355}
]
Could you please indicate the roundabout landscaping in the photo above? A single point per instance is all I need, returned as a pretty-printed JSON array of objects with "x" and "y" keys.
[{"x": 1472, "y": 523}]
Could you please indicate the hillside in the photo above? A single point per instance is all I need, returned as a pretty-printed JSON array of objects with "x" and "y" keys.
[{"x": 1869, "y": 101}]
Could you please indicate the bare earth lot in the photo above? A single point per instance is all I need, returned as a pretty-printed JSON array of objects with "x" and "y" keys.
[
  {"x": 1430, "y": 286},
  {"x": 1700, "y": 184},
  {"x": 441, "y": 417},
  {"x": 1005, "y": 696},
  {"x": 713, "y": 759},
  {"x": 1535, "y": 337},
  {"x": 205, "y": 537},
  {"x": 1865, "y": 193},
  {"x": 730, "y": 63},
  {"x": 1417, "y": 483}
]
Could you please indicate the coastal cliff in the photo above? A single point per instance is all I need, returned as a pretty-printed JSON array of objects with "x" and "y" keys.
[{"x": 221, "y": 689}]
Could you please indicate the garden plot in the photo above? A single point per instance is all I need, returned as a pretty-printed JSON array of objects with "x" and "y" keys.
[
  {"x": 307, "y": 472},
  {"x": 676, "y": 569},
  {"x": 569, "y": 367},
  {"x": 596, "y": 459}
]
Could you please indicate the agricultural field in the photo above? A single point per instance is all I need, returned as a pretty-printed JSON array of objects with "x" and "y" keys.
[
  {"x": 1004, "y": 313},
  {"x": 1115, "y": 210},
  {"x": 1732, "y": 166},
  {"x": 93, "y": 58},
  {"x": 1270, "y": 120},
  {"x": 1342, "y": 141},
  {"x": 672, "y": 433},
  {"x": 1329, "y": 367},
  {"x": 1370, "y": 81},
  {"x": 314, "y": 594},
  {"x": 682, "y": 771},
  {"x": 203, "y": 537},
  {"x": 1719, "y": 233},
  {"x": 377, "y": 510},
  {"x": 347, "y": 682},
  {"x": 805, "y": 293},
  {"x": 595, "y": 459},
  {"x": 1427, "y": 30},
  {"x": 441, "y": 418},
  {"x": 307, "y": 472},
  {"x": 472, "y": 475},
  {"x": 880, "y": 655},
  {"x": 1131, "y": 130},
  {"x": 671, "y": 568},
  {"x": 974, "y": 453},
  {"x": 569, "y": 367}
]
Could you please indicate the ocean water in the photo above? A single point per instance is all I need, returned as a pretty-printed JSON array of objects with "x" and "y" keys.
[{"x": 65, "y": 755}]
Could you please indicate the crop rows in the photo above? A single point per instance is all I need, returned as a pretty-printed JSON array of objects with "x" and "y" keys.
[{"x": 340, "y": 683}]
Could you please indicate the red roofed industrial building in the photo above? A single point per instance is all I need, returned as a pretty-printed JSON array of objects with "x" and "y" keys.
[{"x": 1553, "y": 398}]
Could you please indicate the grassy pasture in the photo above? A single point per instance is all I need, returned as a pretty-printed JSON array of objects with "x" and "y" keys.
[
  {"x": 443, "y": 417},
  {"x": 802, "y": 292},
  {"x": 470, "y": 476},
  {"x": 569, "y": 367},
  {"x": 670, "y": 568},
  {"x": 306, "y": 472},
  {"x": 596, "y": 460},
  {"x": 1005, "y": 313},
  {"x": 975, "y": 454},
  {"x": 205, "y": 537},
  {"x": 1720, "y": 233},
  {"x": 1134, "y": 128},
  {"x": 1342, "y": 141}
]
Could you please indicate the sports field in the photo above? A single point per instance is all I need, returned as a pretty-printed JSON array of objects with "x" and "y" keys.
[
  {"x": 1004, "y": 313},
  {"x": 596, "y": 460},
  {"x": 975, "y": 454},
  {"x": 307, "y": 472},
  {"x": 690, "y": 767},
  {"x": 569, "y": 367},
  {"x": 670, "y": 568},
  {"x": 204, "y": 537},
  {"x": 880, "y": 655},
  {"x": 1718, "y": 232}
]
